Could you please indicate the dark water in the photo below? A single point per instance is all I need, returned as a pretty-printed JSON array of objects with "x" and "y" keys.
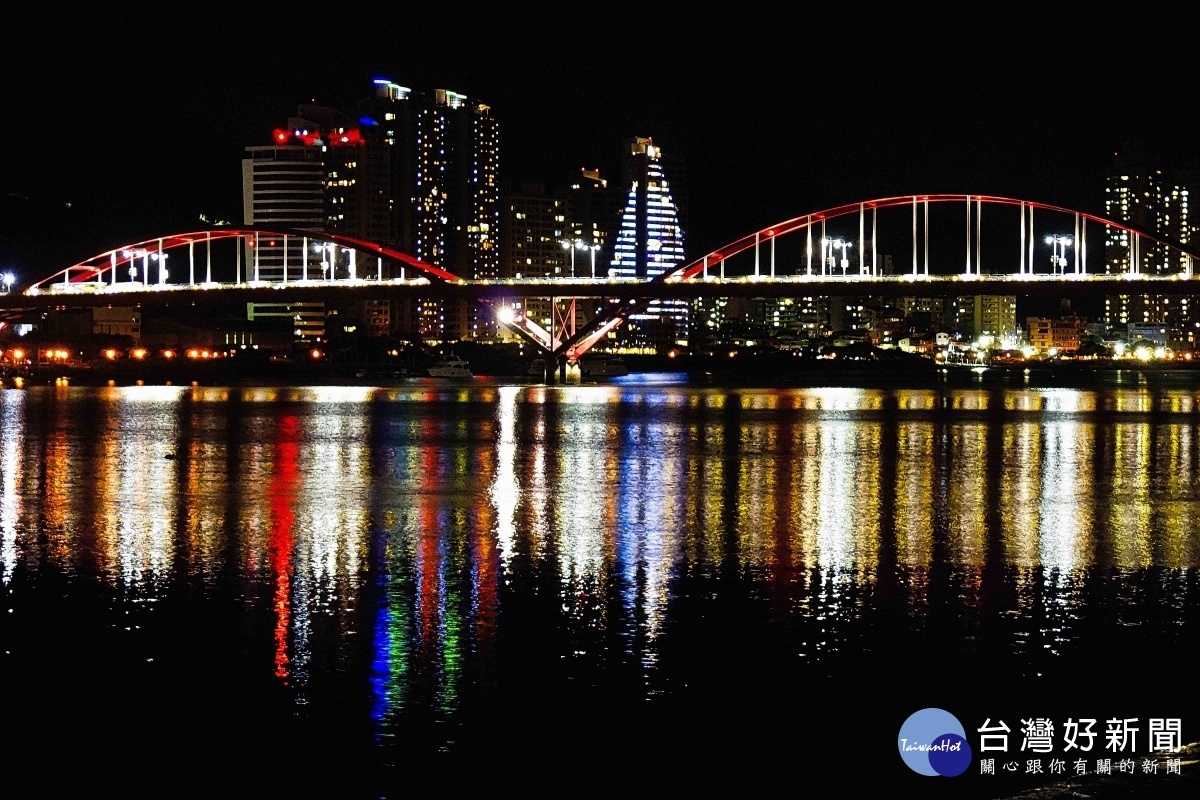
[{"x": 346, "y": 591}]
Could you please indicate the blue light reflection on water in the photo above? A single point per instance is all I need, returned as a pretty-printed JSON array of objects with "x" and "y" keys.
[{"x": 449, "y": 570}]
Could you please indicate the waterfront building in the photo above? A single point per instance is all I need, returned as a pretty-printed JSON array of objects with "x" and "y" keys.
[
  {"x": 1062, "y": 334},
  {"x": 283, "y": 184},
  {"x": 1140, "y": 192},
  {"x": 594, "y": 206},
  {"x": 1157, "y": 333},
  {"x": 990, "y": 319},
  {"x": 416, "y": 172},
  {"x": 435, "y": 194},
  {"x": 533, "y": 226},
  {"x": 558, "y": 231},
  {"x": 924, "y": 307},
  {"x": 648, "y": 242},
  {"x": 117, "y": 321}
]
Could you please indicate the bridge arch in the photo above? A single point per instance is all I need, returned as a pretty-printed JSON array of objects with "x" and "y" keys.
[
  {"x": 807, "y": 222},
  {"x": 565, "y": 340},
  {"x": 104, "y": 268},
  {"x": 714, "y": 261}
]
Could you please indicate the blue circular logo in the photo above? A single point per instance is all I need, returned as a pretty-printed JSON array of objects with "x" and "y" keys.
[{"x": 933, "y": 742}]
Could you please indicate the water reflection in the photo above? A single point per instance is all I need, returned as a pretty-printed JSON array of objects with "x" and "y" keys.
[
  {"x": 12, "y": 434},
  {"x": 437, "y": 550}
]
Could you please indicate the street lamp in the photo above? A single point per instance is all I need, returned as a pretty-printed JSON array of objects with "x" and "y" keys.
[
  {"x": 132, "y": 255},
  {"x": 577, "y": 244},
  {"x": 8, "y": 279},
  {"x": 162, "y": 266},
  {"x": 1059, "y": 243},
  {"x": 593, "y": 247},
  {"x": 327, "y": 258},
  {"x": 828, "y": 246}
]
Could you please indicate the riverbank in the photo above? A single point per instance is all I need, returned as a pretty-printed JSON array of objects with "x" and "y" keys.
[{"x": 904, "y": 372}]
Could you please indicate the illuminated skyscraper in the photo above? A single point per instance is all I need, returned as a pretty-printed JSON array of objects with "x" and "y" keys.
[
  {"x": 1146, "y": 197},
  {"x": 647, "y": 243},
  {"x": 411, "y": 171},
  {"x": 283, "y": 184},
  {"x": 442, "y": 195},
  {"x": 534, "y": 226}
]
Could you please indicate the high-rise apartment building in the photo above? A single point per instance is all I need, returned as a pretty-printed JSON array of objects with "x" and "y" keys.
[
  {"x": 594, "y": 207},
  {"x": 283, "y": 185},
  {"x": 557, "y": 231},
  {"x": 415, "y": 172},
  {"x": 436, "y": 193},
  {"x": 648, "y": 242},
  {"x": 533, "y": 228},
  {"x": 1140, "y": 193},
  {"x": 987, "y": 318}
]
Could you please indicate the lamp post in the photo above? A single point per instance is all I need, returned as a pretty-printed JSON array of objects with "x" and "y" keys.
[
  {"x": 828, "y": 261},
  {"x": 8, "y": 279},
  {"x": 831, "y": 245},
  {"x": 593, "y": 247},
  {"x": 133, "y": 256},
  {"x": 161, "y": 258},
  {"x": 573, "y": 245},
  {"x": 1058, "y": 259},
  {"x": 327, "y": 261}
]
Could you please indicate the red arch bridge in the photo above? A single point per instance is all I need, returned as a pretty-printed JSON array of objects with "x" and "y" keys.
[{"x": 883, "y": 247}]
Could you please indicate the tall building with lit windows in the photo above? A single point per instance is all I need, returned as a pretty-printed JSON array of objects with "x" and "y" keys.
[
  {"x": 1140, "y": 193},
  {"x": 649, "y": 241},
  {"x": 442, "y": 196},
  {"x": 416, "y": 172},
  {"x": 988, "y": 319},
  {"x": 283, "y": 184},
  {"x": 556, "y": 231},
  {"x": 594, "y": 207},
  {"x": 533, "y": 227}
]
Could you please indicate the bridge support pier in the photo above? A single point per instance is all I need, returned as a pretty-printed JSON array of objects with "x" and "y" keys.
[
  {"x": 572, "y": 375},
  {"x": 563, "y": 371}
]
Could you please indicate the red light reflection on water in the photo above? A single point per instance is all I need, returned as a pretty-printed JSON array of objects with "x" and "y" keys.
[{"x": 282, "y": 492}]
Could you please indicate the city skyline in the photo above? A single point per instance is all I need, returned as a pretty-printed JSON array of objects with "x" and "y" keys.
[{"x": 769, "y": 130}]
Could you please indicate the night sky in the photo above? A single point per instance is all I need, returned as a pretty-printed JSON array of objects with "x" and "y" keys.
[{"x": 122, "y": 129}]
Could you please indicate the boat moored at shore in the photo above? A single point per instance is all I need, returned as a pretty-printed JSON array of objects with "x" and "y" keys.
[{"x": 450, "y": 366}]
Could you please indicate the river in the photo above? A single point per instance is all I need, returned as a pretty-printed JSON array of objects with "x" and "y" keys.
[{"x": 278, "y": 588}]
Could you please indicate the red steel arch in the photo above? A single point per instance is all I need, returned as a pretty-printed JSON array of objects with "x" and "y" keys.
[
  {"x": 587, "y": 335},
  {"x": 101, "y": 263},
  {"x": 693, "y": 268}
]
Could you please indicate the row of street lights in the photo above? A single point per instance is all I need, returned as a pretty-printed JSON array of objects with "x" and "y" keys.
[
  {"x": 327, "y": 251},
  {"x": 580, "y": 244},
  {"x": 1058, "y": 260},
  {"x": 828, "y": 246},
  {"x": 1059, "y": 243}
]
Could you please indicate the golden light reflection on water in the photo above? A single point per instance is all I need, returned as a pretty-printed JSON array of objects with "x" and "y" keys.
[
  {"x": 504, "y": 491},
  {"x": 136, "y": 537},
  {"x": 966, "y": 487},
  {"x": 434, "y": 506},
  {"x": 12, "y": 439},
  {"x": 1019, "y": 488},
  {"x": 1130, "y": 517},
  {"x": 1065, "y": 508},
  {"x": 913, "y": 515},
  {"x": 1176, "y": 445}
]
